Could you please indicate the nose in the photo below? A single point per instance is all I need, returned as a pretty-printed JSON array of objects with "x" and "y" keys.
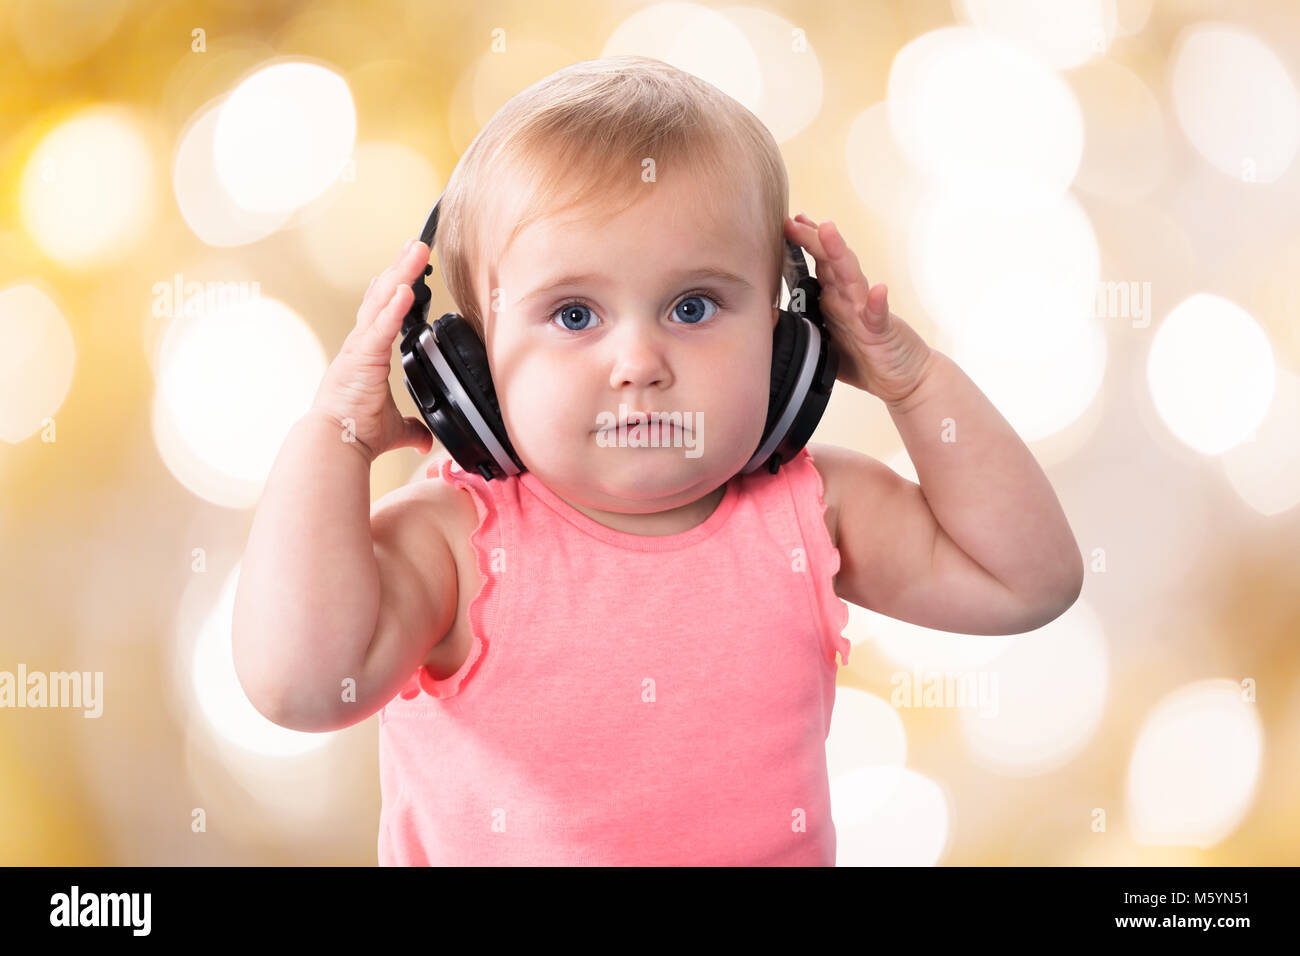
[{"x": 640, "y": 357}]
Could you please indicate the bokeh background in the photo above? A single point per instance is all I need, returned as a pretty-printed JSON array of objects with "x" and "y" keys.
[{"x": 1093, "y": 207}]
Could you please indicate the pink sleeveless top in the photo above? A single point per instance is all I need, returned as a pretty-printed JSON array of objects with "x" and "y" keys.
[{"x": 627, "y": 699}]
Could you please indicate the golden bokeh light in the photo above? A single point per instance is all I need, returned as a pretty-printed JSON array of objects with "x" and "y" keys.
[
  {"x": 848, "y": 748},
  {"x": 37, "y": 358},
  {"x": 889, "y": 816},
  {"x": 1195, "y": 766},
  {"x": 220, "y": 440},
  {"x": 1065, "y": 34},
  {"x": 791, "y": 86},
  {"x": 88, "y": 189},
  {"x": 697, "y": 39},
  {"x": 215, "y": 689},
  {"x": 1265, "y": 468},
  {"x": 283, "y": 136},
  {"x": 989, "y": 122},
  {"x": 1211, "y": 372},
  {"x": 208, "y": 209},
  {"x": 1236, "y": 102},
  {"x": 1048, "y": 699}
]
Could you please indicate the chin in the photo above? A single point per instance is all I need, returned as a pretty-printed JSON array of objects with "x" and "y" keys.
[{"x": 648, "y": 474}]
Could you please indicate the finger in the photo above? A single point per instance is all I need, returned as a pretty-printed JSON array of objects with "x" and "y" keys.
[
  {"x": 806, "y": 235},
  {"x": 829, "y": 278},
  {"x": 372, "y": 302},
  {"x": 380, "y": 335},
  {"x": 843, "y": 260},
  {"x": 415, "y": 434},
  {"x": 366, "y": 309},
  {"x": 848, "y": 272},
  {"x": 878, "y": 314},
  {"x": 412, "y": 260},
  {"x": 845, "y": 291},
  {"x": 409, "y": 264},
  {"x": 374, "y": 342}
]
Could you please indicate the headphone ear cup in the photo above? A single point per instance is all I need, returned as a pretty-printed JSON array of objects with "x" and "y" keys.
[
  {"x": 789, "y": 339},
  {"x": 804, "y": 369},
  {"x": 467, "y": 357}
]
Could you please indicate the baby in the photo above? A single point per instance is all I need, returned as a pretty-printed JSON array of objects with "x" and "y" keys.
[{"x": 625, "y": 654}]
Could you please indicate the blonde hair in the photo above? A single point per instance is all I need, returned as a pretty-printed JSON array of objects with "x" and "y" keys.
[{"x": 580, "y": 136}]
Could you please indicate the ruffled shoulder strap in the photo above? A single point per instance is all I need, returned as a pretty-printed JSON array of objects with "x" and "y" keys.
[
  {"x": 484, "y": 608},
  {"x": 809, "y": 494}
]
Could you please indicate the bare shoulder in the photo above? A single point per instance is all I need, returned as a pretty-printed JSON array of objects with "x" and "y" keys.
[
  {"x": 843, "y": 469},
  {"x": 424, "y": 521},
  {"x": 411, "y": 511},
  {"x": 415, "y": 529}
]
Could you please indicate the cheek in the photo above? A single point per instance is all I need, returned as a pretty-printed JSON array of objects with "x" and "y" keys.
[
  {"x": 736, "y": 394},
  {"x": 745, "y": 367},
  {"x": 753, "y": 406},
  {"x": 539, "y": 396}
]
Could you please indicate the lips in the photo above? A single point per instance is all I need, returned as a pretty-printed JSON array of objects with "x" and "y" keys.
[{"x": 648, "y": 418}]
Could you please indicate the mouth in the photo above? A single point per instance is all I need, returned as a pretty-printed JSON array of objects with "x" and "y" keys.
[{"x": 664, "y": 424}]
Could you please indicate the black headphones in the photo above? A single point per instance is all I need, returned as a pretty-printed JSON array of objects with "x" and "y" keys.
[{"x": 447, "y": 374}]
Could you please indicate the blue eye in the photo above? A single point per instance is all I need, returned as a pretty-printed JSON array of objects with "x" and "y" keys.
[
  {"x": 696, "y": 317},
  {"x": 696, "y": 311},
  {"x": 565, "y": 312}
]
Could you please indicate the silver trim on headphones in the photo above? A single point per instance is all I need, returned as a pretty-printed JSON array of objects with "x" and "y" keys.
[
  {"x": 795, "y": 402},
  {"x": 456, "y": 393}
]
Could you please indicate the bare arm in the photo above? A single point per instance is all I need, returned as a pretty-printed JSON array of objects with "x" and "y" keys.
[
  {"x": 990, "y": 498},
  {"x": 327, "y": 593},
  {"x": 333, "y": 589},
  {"x": 308, "y": 596},
  {"x": 1007, "y": 565},
  {"x": 981, "y": 544}
]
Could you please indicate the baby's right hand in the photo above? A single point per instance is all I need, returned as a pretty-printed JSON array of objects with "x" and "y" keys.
[{"x": 354, "y": 390}]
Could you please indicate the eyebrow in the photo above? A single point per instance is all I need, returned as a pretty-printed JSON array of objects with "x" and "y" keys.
[{"x": 586, "y": 278}]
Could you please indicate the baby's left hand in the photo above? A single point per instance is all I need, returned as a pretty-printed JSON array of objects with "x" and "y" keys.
[{"x": 879, "y": 352}]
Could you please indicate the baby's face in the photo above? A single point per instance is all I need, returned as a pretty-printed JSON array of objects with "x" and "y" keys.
[{"x": 643, "y": 329}]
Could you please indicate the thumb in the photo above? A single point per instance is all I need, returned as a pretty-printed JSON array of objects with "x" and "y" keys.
[
  {"x": 415, "y": 434},
  {"x": 878, "y": 315}
]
